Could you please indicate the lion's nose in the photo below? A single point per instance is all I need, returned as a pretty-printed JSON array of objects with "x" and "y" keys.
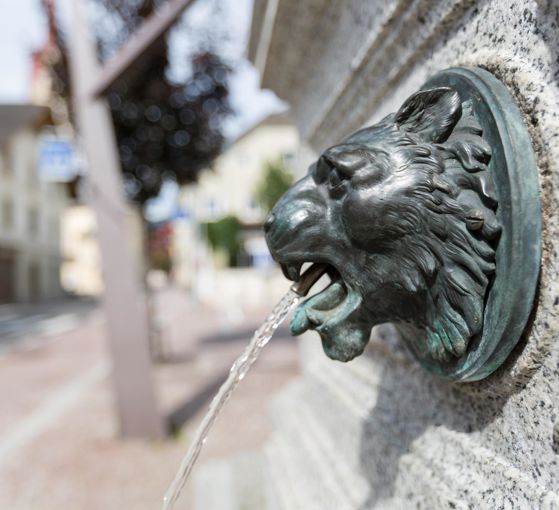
[{"x": 269, "y": 222}]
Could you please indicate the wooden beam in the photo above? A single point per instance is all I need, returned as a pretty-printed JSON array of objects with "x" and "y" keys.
[
  {"x": 123, "y": 299},
  {"x": 139, "y": 44}
]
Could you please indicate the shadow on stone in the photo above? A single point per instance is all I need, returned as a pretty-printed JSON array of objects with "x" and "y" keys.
[
  {"x": 410, "y": 401},
  {"x": 185, "y": 411}
]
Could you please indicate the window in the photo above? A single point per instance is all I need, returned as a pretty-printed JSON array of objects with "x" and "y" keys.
[
  {"x": 5, "y": 169},
  {"x": 7, "y": 214},
  {"x": 33, "y": 222},
  {"x": 53, "y": 228}
]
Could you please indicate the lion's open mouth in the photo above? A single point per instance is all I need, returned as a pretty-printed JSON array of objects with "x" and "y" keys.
[
  {"x": 323, "y": 306},
  {"x": 334, "y": 312}
]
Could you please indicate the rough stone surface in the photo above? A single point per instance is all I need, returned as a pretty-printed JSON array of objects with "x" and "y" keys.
[
  {"x": 236, "y": 483},
  {"x": 380, "y": 432}
]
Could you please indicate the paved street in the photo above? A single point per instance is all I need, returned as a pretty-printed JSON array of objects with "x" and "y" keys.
[
  {"x": 22, "y": 324},
  {"x": 59, "y": 445}
]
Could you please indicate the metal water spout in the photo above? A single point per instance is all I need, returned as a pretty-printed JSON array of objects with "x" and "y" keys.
[{"x": 429, "y": 219}]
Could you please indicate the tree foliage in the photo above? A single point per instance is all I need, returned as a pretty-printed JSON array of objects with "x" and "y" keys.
[
  {"x": 169, "y": 131},
  {"x": 225, "y": 235},
  {"x": 164, "y": 129},
  {"x": 274, "y": 183}
]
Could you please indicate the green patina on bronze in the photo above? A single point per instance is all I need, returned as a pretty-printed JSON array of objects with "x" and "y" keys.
[{"x": 429, "y": 219}]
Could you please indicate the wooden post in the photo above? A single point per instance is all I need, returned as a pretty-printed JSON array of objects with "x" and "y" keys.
[
  {"x": 140, "y": 44},
  {"x": 124, "y": 301}
]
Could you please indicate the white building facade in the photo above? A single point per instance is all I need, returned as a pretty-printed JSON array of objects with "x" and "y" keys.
[
  {"x": 228, "y": 189},
  {"x": 30, "y": 211}
]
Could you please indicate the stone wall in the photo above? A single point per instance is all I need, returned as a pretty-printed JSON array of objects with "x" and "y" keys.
[{"x": 380, "y": 432}]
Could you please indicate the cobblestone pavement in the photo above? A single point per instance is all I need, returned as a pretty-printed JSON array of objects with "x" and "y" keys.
[{"x": 59, "y": 445}]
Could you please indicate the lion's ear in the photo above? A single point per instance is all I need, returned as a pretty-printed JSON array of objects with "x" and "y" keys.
[{"x": 431, "y": 114}]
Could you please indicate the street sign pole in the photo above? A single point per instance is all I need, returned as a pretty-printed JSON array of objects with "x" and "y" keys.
[{"x": 124, "y": 299}]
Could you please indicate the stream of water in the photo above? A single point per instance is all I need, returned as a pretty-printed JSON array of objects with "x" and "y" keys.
[{"x": 237, "y": 373}]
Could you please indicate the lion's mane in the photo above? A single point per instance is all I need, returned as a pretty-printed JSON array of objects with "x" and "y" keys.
[{"x": 453, "y": 204}]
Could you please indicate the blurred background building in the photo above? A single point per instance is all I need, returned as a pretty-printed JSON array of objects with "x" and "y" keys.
[
  {"x": 219, "y": 251},
  {"x": 81, "y": 268},
  {"x": 30, "y": 209}
]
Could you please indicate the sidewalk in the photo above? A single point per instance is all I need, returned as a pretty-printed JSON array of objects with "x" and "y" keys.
[{"x": 59, "y": 445}]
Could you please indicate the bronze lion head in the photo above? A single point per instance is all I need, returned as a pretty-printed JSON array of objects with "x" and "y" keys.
[{"x": 403, "y": 214}]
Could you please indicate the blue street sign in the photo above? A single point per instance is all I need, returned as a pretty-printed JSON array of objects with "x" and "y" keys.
[{"x": 57, "y": 159}]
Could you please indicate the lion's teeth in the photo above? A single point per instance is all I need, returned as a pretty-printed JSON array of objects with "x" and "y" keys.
[{"x": 293, "y": 272}]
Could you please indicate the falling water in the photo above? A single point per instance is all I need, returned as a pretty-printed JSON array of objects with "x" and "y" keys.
[{"x": 237, "y": 373}]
